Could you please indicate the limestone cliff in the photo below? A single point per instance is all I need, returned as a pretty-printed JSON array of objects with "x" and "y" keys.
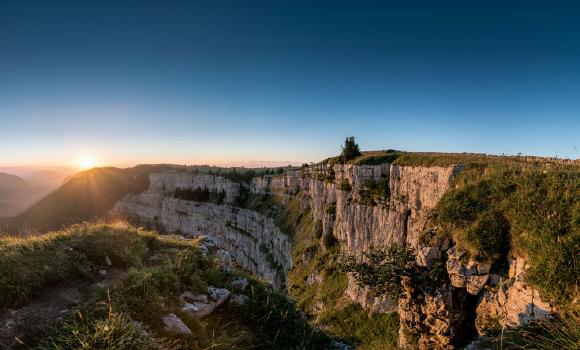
[
  {"x": 254, "y": 241},
  {"x": 397, "y": 219},
  {"x": 363, "y": 207}
]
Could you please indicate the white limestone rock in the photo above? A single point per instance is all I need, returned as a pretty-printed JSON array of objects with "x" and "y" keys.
[{"x": 512, "y": 303}]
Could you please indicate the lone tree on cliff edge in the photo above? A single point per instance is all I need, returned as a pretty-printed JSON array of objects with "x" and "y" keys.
[{"x": 350, "y": 150}]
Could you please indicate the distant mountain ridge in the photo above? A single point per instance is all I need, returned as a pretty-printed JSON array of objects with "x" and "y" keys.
[
  {"x": 14, "y": 193},
  {"x": 20, "y": 188}
]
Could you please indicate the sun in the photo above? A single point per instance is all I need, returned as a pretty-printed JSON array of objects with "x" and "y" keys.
[{"x": 87, "y": 162}]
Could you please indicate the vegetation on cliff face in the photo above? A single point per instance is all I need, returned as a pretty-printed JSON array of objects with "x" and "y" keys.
[
  {"x": 153, "y": 271},
  {"x": 534, "y": 209},
  {"x": 199, "y": 194},
  {"x": 498, "y": 206},
  {"x": 382, "y": 269},
  {"x": 317, "y": 283}
]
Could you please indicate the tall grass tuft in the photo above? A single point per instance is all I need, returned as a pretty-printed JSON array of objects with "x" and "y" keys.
[{"x": 548, "y": 334}]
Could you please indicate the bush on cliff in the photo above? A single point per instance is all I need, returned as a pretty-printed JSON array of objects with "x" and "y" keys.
[
  {"x": 345, "y": 185},
  {"x": 382, "y": 269},
  {"x": 200, "y": 195}
]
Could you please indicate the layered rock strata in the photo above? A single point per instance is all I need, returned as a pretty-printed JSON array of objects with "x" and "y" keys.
[
  {"x": 252, "y": 239},
  {"x": 398, "y": 218}
]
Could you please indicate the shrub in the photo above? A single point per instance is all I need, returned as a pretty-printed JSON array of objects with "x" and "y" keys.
[
  {"x": 381, "y": 269},
  {"x": 318, "y": 229},
  {"x": 331, "y": 209},
  {"x": 277, "y": 323},
  {"x": 375, "y": 190},
  {"x": 329, "y": 240},
  {"x": 487, "y": 238},
  {"x": 200, "y": 195},
  {"x": 345, "y": 185}
]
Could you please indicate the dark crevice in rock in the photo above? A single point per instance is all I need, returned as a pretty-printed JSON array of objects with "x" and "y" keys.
[{"x": 465, "y": 328}]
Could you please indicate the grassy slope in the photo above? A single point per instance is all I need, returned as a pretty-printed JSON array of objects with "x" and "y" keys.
[
  {"x": 116, "y": 319},
  {"x": 443, "y": 159}
]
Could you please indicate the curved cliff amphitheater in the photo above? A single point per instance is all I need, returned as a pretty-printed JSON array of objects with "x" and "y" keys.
[{"x": 493, "y": 245}]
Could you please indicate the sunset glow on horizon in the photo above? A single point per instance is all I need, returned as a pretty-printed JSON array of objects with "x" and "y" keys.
[
  {"x": 87, "y": 162},
  {"x": 286, "y": 82}
]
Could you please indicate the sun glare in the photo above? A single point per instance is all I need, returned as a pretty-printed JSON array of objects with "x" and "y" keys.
[{"x": 87, "y": 162}]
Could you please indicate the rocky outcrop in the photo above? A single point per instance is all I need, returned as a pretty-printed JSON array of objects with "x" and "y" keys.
[
  {"x": 437, "y": 318},
  {"x": 474, "y": 301},
  {"x": 470, "y": 275},
  {"x": 252, "y": 239},
  {"x": 511, "y": 302},
  {"x": 202, "y": 305}
]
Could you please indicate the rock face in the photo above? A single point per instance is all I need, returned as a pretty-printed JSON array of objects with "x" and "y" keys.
[
  {"x": 511, "y": 302},
  {"x": 414, "y": 191},
  {"x": 471, "y": 275},
  {"x": 400, "y": 218},
  {"x": 252, "y": 239},
  {"x": 168, "y": 182}
]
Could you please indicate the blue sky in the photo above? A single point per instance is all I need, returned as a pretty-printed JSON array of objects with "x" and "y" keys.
[{"x": 226, "y": 81}]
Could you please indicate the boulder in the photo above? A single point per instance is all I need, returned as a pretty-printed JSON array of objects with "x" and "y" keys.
[
  {"x": 174, "y": 324},
  {"x": 200, "y": 306},
  {"x": 199, "y": 309},
  {"x": 219, "y": 295},
  {"x": 239, "y": 283},
  {"x": 189, "y": 296}
]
